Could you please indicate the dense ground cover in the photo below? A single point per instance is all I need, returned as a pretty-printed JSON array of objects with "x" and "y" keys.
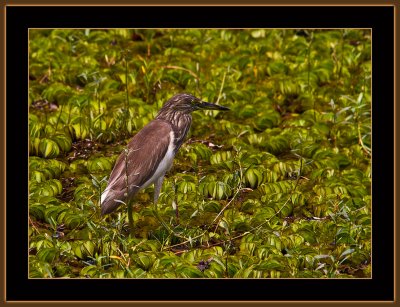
[{"x": 280, "y": 186}]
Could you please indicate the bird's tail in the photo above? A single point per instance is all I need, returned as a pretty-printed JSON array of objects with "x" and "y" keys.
[{"x": 108, "y": 201}]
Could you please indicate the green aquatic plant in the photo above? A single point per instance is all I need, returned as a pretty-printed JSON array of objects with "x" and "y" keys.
[{"x": 280, "y": 187}]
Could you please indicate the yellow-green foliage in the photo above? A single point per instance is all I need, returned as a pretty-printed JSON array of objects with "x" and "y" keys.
[{"x": 279, "y": 187}]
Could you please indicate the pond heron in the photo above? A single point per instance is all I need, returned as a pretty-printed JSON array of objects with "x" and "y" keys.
[{"x": 150, "y": 153}]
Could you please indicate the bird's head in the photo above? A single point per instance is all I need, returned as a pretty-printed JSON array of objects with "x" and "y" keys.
[{"x": 187, "y": 103}]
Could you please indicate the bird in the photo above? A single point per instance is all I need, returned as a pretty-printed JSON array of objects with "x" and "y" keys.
[{"x": 150, "y": 153}]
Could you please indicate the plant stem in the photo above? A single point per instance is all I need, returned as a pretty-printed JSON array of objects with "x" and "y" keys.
[
  {"x": 126, "y": 84},
  {"x": 98, "y": 101},
  {"x": 126, "y": 115},
  {"x": 90, "y": 123},
  {"x": 59, "y": 115},
  {"x": 309, "y": 70},
  {"x": 45, "y": 124},
  {"x": 222, "y": 87},
  {"x": 80, "y": 122},
  {"x": 170, "y": 231},
  {"x": 360, "y": 141},
  {"x": 130, "y": 217}
]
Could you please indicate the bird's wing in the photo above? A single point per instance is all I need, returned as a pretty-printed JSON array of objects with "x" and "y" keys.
[{"x": 145, "y": 151}]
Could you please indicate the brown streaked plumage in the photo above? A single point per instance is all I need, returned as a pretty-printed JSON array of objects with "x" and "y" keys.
[{"x": 151, "y": 151}]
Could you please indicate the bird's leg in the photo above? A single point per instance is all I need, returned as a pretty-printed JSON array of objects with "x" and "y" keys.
[{"x": 157, "y": 189}]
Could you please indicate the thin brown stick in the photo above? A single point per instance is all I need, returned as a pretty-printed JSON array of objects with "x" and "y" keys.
[
  {"x": 130, "y": 217},
  {"x": 182, "y": 68}
]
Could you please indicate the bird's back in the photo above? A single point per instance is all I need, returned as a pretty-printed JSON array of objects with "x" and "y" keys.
[{"x": 135, "y": 167}]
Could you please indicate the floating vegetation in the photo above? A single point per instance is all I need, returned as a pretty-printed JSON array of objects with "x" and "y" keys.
[{"x": 279, "y": 187}]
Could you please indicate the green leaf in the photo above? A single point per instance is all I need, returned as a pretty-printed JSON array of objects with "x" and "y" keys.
[
  {"x": 48, "y": 148},
  {"x": 89, "y": 271},
  {"x": 347, "y": 252},
  {"x": 48, "y": 255},
  {"x": 144, "y": 260},
  {"x": 270, "y": 265},
  {"x": 188, "y": 272}
]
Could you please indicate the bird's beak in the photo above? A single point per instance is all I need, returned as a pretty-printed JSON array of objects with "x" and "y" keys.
[{"x": 211, "y": 106}]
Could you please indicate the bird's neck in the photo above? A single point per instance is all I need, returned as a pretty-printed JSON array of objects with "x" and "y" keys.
[{"x": 180, "y": 123}]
